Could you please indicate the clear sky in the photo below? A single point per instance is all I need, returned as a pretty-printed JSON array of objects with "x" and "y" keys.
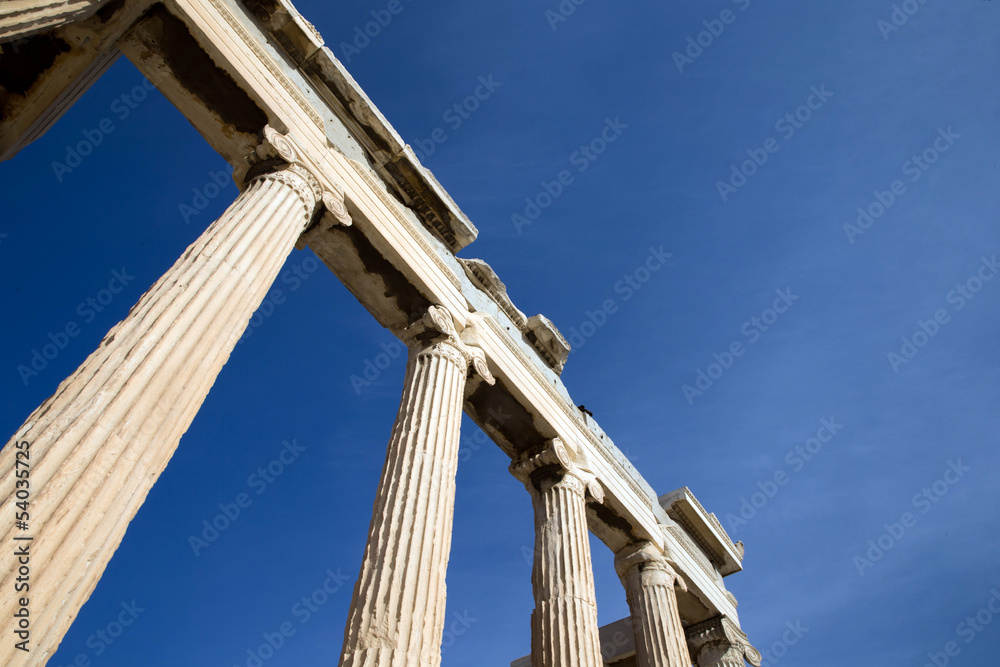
[{"x": 746, "y": 158}]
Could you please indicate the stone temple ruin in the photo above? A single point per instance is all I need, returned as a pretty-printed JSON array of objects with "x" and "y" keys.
[{"x": 318, "y": 166}]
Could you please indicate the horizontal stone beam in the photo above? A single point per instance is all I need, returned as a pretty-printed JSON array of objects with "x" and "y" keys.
[
  {"x": 398, "y": 257},
  {"x": 43, "y": 75},
  {"x": 23, "y": 18}
]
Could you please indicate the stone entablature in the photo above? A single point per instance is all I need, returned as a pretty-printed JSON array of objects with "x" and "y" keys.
[
  {"x": 705, "y": 529},
  {"x": 327, "y": 171},
  {"x": 23, "y": 18},
  {"x": 548, "y": 341},
  {"x": 488, "y": 281}
]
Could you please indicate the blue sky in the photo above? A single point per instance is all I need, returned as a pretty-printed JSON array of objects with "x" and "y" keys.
[{"x": 850, "y": 298}]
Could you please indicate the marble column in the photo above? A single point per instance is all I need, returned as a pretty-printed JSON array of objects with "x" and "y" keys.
[
  {"x": 20, "y": 18},
  {"x": 650, "y": 583},
  {"x": 564, "y": 630},
  {"x": 718, "y": 642},
  {"x": 101, "y": 441},
  {"x": 397, "y": 617}
]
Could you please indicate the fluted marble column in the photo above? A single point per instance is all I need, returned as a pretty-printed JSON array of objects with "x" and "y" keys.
[
  {"x": 718, "y": 642},
  {"x": 397, "y": 612},
  {"x": 564, "y": 630},
  {"x": 101, "y": 441},
  {"x": 20, "y": 18},
  {"x": 649, "y": 582}
]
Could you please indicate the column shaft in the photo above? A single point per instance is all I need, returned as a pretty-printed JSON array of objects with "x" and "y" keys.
[
  {"x": 397, "y": 613},
  {"x": 649, "y": 587},
  {"x": 101, "y": 441},
  {"x": 564, "y": 630}
]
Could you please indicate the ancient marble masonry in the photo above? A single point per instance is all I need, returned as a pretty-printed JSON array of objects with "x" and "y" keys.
[{"x": 318, "y": 166}]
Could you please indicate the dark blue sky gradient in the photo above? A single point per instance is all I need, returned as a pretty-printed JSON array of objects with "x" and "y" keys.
[{"x": 656, "y": 185}]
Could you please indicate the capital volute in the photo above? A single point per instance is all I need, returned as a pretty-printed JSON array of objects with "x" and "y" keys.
[
  {"x": 279, "y": 157},
  {"x": 436, "y": 329},
  {"x": 557, "y": 462},
  {"x": 652, "y": 565},
  {"x": 718, "y": 637}
]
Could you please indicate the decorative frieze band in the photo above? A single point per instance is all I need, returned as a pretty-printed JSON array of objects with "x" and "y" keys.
[
  {"x": 379, "y": 191},
  {"x": 252, "y": 44}
]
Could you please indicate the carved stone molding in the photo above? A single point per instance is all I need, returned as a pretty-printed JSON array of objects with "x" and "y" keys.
[
  {"x": 555, "y": 460},
  {"x": 548, "y": 341},
  {"x": 265, "y": 59},
  {"x": 568, "y": 409},
  {"x": 718, "y": 642},
  {"x": 483, "y": 275},
  {"x": 278, "y": 156},
  {"x": 704, "y": 529},
  {"x": 649, "y": 559},
  {"x": 298, "y": 38},
  {"x": 379, "y": 190},
  {"x": 436, "y": 331}
]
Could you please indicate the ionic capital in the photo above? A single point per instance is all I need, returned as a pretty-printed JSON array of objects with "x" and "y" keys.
[
  {"x": 435, "y": 333},
  {"x": 654, "y": 568},
  {"x": 279, "y": 158},
  {"x": 553, "y": 464},
  {"x": 718, "y": 641}
]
